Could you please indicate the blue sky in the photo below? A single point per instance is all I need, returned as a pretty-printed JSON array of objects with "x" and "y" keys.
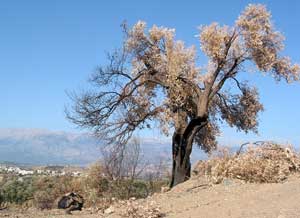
[{"x": 49, "y": 47}]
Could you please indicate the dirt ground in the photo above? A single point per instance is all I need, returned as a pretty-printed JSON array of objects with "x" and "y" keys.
[
  {"x": 197, "y": 199},
  {"x": 234, "y": 200},
  {"x": 34, "y": 213}
]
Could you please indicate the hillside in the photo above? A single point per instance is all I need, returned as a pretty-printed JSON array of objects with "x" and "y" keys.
[
  {"x": 232, "y": 200},
  {"x": 197, "y": 199}
]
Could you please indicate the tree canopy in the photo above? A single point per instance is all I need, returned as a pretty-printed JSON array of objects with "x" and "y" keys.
[
  {"x": 153, "y": 75},
  {"x": 155, "y": 79}
]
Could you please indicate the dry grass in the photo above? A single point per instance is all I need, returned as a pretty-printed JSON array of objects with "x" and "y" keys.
[
  {"x": 136, "y": 210},
  {"x": 264, "y": 162}
]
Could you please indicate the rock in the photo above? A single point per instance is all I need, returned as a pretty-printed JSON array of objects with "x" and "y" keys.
[
  {"x": 109, "y": 210},
  {"x": 70, "y": 201}
]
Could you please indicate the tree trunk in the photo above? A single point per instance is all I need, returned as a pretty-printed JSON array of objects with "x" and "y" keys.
[
  {"x": 181, "y": 170},
  {"x": 182, "y": 149}
]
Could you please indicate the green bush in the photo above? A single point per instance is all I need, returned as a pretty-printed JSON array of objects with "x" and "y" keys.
[
  {"x": 17, "y": 190},
  {"x": 139, "y": 189}
]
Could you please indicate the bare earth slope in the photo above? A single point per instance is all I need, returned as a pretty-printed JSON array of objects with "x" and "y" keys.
[
  {"x": 198, "y": 199},
  {"x": 234, "y": 200},
  {"x": 231, "y": 199}
]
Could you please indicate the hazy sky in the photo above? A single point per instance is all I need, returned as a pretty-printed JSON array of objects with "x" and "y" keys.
[{"x": 49, "y": 47}]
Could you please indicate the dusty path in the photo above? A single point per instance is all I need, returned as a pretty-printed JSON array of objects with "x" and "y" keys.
[{"x": 196, "y": 199}]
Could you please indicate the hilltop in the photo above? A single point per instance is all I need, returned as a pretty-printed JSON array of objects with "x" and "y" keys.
[
  {"x": 231, "y": 199},
  {"x": 197, "y": 199}
]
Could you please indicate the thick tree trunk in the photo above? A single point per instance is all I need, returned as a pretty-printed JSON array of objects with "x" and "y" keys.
[
  {"x": 181, "y": 150},
  {"x": 181, "y": 170}
]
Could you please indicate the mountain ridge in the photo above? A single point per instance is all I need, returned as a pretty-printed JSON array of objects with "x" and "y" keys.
[{"x": 46, "y": 147}]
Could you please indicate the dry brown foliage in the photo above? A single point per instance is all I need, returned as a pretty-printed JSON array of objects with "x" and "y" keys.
[
  {"x": 156, "y": 80},
  {"x": 267, "y": 162},
  {"x": 43, "y": 200}
]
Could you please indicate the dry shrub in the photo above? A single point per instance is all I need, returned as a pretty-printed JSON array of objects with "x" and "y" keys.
[
  {"x": 99, "y": 186},
  {"x": 43, "y": 200},
  {"x": 94, "y": 186},
  {"x": 96, "y": 179},
  {"x": 136, "y": 210},
  {"x": 267, "y": 162},
  {"x": 49, "y": 189}
]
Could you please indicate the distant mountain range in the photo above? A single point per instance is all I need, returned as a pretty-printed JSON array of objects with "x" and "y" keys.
[
  {"x": 42, "y": 147},
  {"x": 45, "y": 147}
]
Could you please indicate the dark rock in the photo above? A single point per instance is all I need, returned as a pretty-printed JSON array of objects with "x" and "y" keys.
[{"x": 71, "y": 201}]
